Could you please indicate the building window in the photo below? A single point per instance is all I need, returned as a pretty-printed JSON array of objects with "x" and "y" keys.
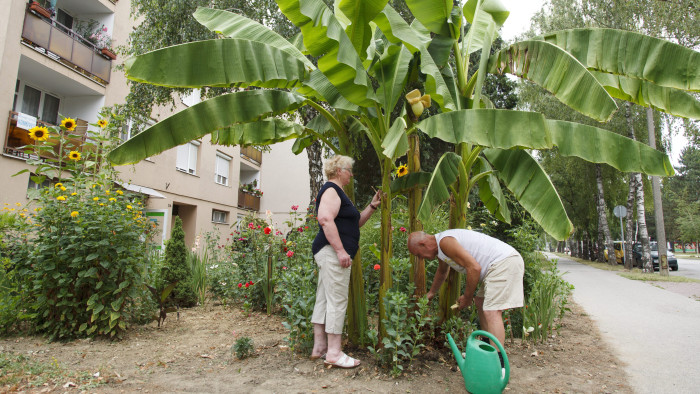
[
  {"x": 223, "y": 164},
  {"x": 36, "y": 103},
  {"x": 36, "y": 186},
  {"x": 219, "y": 216},
  {"x": 187, "y": 157}
]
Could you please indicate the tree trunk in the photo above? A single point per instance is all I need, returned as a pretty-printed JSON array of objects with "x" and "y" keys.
[
  {"x": 603, "y": 227},
  {"x": 386, "y": 244},
  {"x": 636, "y": 187},
  {"x": 658, "y": 209},
  {"x": 315, "y": 153},
  {"x": 629, "y": 234},
  {"x": 417, "y": 274}
]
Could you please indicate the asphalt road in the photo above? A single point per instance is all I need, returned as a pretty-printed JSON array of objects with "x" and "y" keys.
[
  {"x": 689, "y": 268},
  {"x": 655, "y": 332}
]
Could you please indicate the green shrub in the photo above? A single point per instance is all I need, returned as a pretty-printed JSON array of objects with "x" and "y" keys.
[
  {"x": 84, "y": 261},
  {"x": 244, "y": 347},
  {"x": 176, "y": 268},
  {"x": 406, "y": 329}
]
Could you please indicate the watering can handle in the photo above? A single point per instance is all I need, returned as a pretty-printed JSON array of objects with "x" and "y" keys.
[{"x": 500, "y": 347}]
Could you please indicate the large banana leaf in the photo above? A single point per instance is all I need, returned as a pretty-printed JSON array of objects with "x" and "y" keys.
[
  {"x": 433, "y": 14},
  {"x": 602, "y": 146},
  {"x": 504, "y": 129},
  {"x": 221, "y": 63},
  {"x": 397, "y": 30},
  {"x": 395, "y": 142},
  {"x": 390, "y": 71},
  {"x": 632, "y": 54},
  {"x": 325, "y": 37},
  {"x": 672, "y": 101},
  {"x": 262, "y": 132},
  {"x": 493, "y": 128},
  {"x": 557, "y": 71},
  {"x": 204, "y": 118},
  {"x": 438, "y": 191},
  {"x": 320, "y": 87},
  {"x": 485, "y": 22},
  {"x": 236, "y": 26},
  {"x": 490, "y": 191},
  {"x": 523, "y": 176},
  {"x": 410, "y": 181},
  {"x": 360, "y": 14}
]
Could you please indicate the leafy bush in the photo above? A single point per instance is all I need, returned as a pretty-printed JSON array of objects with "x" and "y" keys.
[
  {"x": 406, "y": 329},
  {"x": 176, "y": 268},
  {"x": 244, "y": 348},
  {"x": 82, "y": 263},
  {"x": 546, "y": 303}
]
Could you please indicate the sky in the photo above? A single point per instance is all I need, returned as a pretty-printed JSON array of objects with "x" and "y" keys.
[{"x": 519, "y": 21}]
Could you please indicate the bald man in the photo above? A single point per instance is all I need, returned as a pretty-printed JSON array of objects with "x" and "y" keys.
[{"x": 483, "y": 259}]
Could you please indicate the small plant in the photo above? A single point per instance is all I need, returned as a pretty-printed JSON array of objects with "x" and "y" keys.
[
  {"x": 405, "y": 327},
  {"x": 160, "y": 296},
  {"x": 198, "y": 263},
  {"x": 546, "y": 303},
  {"x": 251, "y": 188},
  {"x": 244, "y": 348}
]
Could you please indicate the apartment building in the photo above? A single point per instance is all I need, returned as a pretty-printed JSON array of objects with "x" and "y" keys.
[{"x": 48, "y": 70}]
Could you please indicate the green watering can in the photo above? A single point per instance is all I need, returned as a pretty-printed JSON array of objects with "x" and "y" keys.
[{"x": 481, "y": 367}]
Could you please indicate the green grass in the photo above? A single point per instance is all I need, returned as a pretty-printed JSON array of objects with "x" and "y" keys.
[
  {"x": 20, "y": 373},
  {"x": 634, "y": 274}
]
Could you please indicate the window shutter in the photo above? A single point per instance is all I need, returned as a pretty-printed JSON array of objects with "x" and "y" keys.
[
  {"x": 182, "y": 157},
  {"x": 193, "y": 158}
]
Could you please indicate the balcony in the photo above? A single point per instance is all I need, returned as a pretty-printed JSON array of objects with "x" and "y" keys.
[
  {"x": 251, "y": 154},
  {"x": 248, "y": 201},
  {"x": 17, "y": 138},
  {"x": 66, "y": 47}
]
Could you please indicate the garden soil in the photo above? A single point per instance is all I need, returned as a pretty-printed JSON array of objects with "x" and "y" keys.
[{"x": 193, "y": 354}]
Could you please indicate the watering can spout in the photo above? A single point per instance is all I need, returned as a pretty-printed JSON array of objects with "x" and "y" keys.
[{"x": 455, "y": 350}]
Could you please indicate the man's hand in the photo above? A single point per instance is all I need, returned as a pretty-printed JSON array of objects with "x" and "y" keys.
[
  {"x": 465, "y": 301},
  {"x": 344, "y": 259}
]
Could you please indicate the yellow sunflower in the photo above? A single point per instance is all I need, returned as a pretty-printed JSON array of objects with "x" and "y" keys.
[
  {"x": 74, "y": 214},
  {"x": 61, "y": 198},
  {"x": 63, "y": 188},
  {"x": 59, "y": 184},
  {"x": 74, "y": 194},
  {"x": 128, "y": 206},
  {"x": 402, "y": 170},
  {"x": 68, "y": 123},
  {"x": 102, "y": 123},
  {"x": 39, "y": 133},
  {"x": 112, "y": 199},
  {"x": 74, "y": 155},
  {"x": 120, "y": 192},
  {"x": 96, "y": 199}
]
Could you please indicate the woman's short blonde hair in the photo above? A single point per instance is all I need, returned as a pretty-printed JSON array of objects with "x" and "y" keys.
[{"x": 334, "y": 163}]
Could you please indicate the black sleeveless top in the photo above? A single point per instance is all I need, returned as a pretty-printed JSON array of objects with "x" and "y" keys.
[{"x": 347, "y": 221}]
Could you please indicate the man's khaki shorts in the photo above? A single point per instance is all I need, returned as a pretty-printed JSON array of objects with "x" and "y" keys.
[{"x": 503, "y": 284}]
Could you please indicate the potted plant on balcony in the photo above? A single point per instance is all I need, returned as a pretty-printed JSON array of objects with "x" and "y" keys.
[
  {"x": 39, "y": 9},
  {"x": 251, "y": 188},
  {"x": 103, "y": 41}
]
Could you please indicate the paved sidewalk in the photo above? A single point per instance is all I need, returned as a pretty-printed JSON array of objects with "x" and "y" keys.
[{"x": 654, "y": 331}]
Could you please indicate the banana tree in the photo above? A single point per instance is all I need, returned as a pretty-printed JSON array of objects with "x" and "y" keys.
[
  {"x": 583, "y": 68},
  {"x": 340, "y": 89}
]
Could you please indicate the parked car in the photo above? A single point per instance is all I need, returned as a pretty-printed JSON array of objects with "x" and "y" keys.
[
  {"x": 637, "y": 256},
  {"x": 619, "y": 252}
]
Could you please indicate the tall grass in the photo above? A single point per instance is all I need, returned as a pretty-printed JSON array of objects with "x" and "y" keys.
[{"x": 198, "y": 263}]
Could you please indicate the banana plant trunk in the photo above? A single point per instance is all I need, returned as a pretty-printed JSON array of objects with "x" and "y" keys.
[
  {"x": 417, "y": 273},
  {"x": 450, "y": 290},
  {"x": 386, "y": 245},
  {"x": 357, "y": 306}
]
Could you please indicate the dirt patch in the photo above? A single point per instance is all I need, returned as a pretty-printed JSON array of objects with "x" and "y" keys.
[
  {"x": 193, "y": 354},
  {"x": 688, "y": 289}
]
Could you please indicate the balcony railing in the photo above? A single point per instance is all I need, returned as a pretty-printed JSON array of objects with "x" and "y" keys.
[
  {"x": 248, "y": 201},
  {"x": 17, "y": 138},
  {"x": 251, "y": 154},
  {"x": 64, "y": 45}
]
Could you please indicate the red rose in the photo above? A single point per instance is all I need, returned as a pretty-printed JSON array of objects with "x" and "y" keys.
[
  {"x": 240, "y": 285},
  {"x": 247, "y": 285},
  {"x": 290, "y": 254},
  {"x": 267, "y": 230},
  {"x": 377, "y": 267}
]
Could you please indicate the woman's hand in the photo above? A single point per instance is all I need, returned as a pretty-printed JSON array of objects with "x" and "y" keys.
[
  {"x": 344, "y": 259},
  {"x": 377, "y": 198}
]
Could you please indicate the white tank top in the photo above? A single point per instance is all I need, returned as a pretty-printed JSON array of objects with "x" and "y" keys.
[{"x": 486, "y": 250}]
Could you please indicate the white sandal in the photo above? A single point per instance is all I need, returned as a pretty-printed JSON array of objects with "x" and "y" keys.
[{"x": 344, "y": 361}]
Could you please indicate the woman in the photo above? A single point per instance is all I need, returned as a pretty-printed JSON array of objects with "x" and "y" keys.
[{"x": 334, "y": 247}]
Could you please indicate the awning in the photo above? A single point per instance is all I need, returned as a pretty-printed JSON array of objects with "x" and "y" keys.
[{"x": 141, "y": 189}]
